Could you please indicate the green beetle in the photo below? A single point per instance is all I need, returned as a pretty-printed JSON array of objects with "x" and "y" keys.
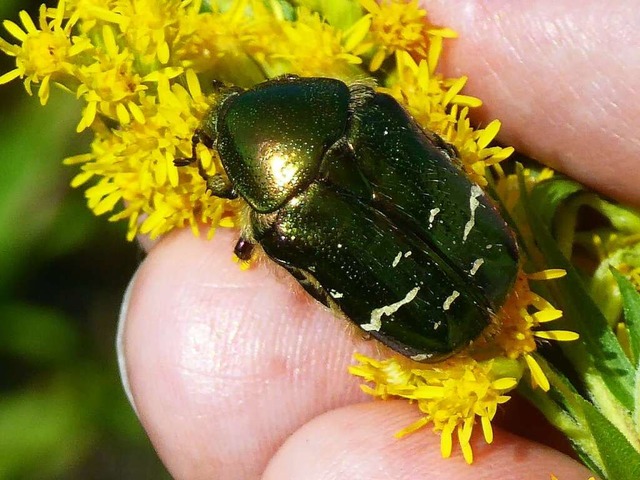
[{"x": 371, "y": 214}]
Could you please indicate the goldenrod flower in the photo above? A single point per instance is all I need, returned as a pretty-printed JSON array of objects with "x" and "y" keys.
[
  {"x": 46, "y": 51},
  {"x": 310, "y": 47},
  {"x": 397, "y": 26},
  {"x": 138, "y": 66},
  {"x": 450, "y": 394}
]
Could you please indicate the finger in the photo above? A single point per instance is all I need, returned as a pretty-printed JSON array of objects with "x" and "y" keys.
[
  {"x": 560, "y": 78},
  {"x": 225, "y": 364},
  {"x": 357, "y": 442}
]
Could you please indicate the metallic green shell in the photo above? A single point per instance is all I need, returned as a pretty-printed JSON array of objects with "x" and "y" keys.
[{"x": 378, "y": 221}]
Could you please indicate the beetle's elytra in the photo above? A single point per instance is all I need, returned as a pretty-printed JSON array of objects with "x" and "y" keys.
[{"x": 371, "y": 214}]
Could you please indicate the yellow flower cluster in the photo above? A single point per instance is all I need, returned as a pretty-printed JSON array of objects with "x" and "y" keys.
[
  {"x": 450, "y": 394},
  {"x": 138, "y": 67}
]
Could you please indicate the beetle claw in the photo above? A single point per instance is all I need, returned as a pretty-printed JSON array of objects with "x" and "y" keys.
[
  {"x": 183, "y": 162},
  {"x": 225, "y": 88},
  {"x": 285, "y": 77}
]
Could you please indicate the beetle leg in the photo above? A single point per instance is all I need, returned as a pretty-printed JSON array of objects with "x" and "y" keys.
[
  {"x": 217, "y": 184},
  {"x": 446, "y": 147},
  {"x": 285, "y": 77},
  {"x": 244, "y": 249},
  {"x": 225, "y": 88},
  {"x": 199, "y": 136}
]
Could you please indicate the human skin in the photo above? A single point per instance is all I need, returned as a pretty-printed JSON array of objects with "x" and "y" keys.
[{"x": 238, "y": 375}]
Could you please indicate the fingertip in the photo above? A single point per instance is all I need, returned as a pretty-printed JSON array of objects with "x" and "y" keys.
[{"x": 357, "y": 442}]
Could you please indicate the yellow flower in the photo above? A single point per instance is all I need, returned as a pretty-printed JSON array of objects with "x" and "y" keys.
[
  {"x": 400, "y": 26},
  {"x": 44, "y": 53},
  {"x": 148, "y": 27},
  {"x": 110, "y": 85},
  {"x": 450, "y": 394},
  {"x": 221, "y": 39},
  {"x": 308, "y": 47},
  {"x": 135, "y": 164}
]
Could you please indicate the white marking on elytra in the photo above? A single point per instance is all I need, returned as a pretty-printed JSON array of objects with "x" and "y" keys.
[
  {"x": 432, "y": 215},
  {"x": 437, "y": 325},
  {"x": 450, "y": 299},
  {"x": 476, "y": 192},
  {"x": 396, "y": 260},
  {"x": 419, "y": 357},
  {"x": 336, "y": 294},
  {"x": 476, "y": 265},
  {"x": 489, "y": 247},
  {"x": 376, "y": 314}
]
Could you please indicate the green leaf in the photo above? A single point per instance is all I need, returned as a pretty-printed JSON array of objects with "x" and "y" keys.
[
  {"x": 37, "y": 334},
  {"x": 624, "y": 219},
  {"x": 597, "y": 356},
  {"x": 558, "y": 405},
  {"x": 620, "y": 460},
  {"x": 599, "y": 443},
  {"x": 32, "y": 180},
  {"x": 559, "y": 200},
  {"x": 548, "y": 195},
  {"x": 631, "y": 307}
]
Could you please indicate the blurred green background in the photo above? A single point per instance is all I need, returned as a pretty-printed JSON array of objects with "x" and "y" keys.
[{"x": 63, "y": 414}]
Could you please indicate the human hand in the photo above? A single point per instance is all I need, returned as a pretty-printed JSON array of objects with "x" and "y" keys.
[{"x": 236, "y": 377}]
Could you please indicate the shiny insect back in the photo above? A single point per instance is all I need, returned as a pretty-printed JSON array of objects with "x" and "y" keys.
[{"x": 372, "y": 215}]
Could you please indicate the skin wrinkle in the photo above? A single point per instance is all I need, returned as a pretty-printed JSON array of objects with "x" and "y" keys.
[{"x": 196, "y": 357}]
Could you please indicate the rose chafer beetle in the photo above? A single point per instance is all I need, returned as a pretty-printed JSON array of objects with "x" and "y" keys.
[{"x": 371, "y": 214}]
